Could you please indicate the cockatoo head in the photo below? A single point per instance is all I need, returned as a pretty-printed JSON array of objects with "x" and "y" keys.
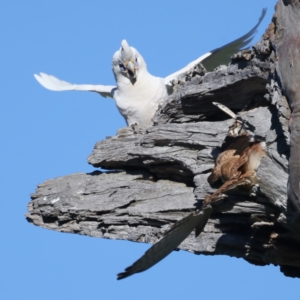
[{"x": 128, "y": 63}]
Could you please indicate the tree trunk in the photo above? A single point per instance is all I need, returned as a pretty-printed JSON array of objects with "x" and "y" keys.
[{"x": 159, "y": 174}]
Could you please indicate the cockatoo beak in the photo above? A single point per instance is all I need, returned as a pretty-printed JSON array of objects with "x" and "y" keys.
[{"x": 131, "y": 68}]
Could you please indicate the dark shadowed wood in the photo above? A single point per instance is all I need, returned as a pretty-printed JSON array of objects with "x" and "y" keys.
[
  {"x": 287, "y": 44},
  {"x": 159, "y": 174}
]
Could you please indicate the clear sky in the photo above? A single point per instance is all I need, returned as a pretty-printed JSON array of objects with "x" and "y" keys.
[{"x": 46, "y": 134}]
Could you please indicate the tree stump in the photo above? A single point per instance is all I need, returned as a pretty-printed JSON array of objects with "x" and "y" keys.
[{"x": 159, "y": 174}]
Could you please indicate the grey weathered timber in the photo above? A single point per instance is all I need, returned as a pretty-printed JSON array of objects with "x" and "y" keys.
[
  {"x": 287, "y": 45},
  {"x": 158, "y": 175}
]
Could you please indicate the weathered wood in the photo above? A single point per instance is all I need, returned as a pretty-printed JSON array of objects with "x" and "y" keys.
[
  {"x": 115, "y": 205},
  {"x": 160, "y": 173},
  {"x": 287, "y": 44}
]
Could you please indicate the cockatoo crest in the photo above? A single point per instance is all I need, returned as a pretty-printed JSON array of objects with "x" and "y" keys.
[{"x": 127, "y": 62}]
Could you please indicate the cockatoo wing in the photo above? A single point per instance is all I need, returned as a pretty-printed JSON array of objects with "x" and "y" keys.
[
  {"x": 221, "y": 55},
  {"x": 54, "y": 84},
  {"x": 171, "y": 240}
]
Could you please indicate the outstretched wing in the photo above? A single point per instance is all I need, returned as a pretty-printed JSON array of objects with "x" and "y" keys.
[
  {"x": 221, "y": 55},
  {"x": 54, "y": 84},
  {"x": 171, "y": 240}
]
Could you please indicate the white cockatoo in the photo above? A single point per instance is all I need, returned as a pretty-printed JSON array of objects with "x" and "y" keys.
[{"x": 137, "y": 93}]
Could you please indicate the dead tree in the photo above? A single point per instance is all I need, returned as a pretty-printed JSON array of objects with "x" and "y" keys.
[{"x": 159, "y": 173}]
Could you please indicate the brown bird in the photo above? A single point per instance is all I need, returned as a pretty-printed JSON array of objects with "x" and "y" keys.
[{"x": 236, "y": 166}]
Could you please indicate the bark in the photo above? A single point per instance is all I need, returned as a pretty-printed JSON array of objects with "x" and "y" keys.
[
  {"x": 159, "y": 174},
  {"x": 287, "y": 45}
]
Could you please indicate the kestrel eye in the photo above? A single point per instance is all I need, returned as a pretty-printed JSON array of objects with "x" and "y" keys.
[{"x": 122, "y": 68}]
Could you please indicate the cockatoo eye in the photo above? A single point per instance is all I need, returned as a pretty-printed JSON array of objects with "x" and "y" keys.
[
  {"x": 136, "y": 62},
  {"x": 122, "y": 68}
]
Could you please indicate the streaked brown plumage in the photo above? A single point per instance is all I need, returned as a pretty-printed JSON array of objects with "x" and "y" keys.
[{"x": 236, "y": 166}]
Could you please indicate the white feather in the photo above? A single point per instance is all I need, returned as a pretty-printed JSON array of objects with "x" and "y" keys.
[{"x": 137, "y": 93}]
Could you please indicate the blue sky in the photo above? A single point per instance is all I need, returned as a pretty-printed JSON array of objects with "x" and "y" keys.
[{"x": 47, "y": 134}]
